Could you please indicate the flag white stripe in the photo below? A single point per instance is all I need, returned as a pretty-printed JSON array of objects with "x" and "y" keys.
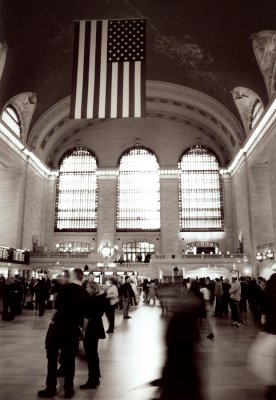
[
  {"x": 125, "y": 108},
  {"x": 91, "y": 76},
  {"x": 102, "y": 94},
  {"x": 137, "y": 89},
  {"x": 114, "y": 90},
  {"x": 79, "y": 85}
]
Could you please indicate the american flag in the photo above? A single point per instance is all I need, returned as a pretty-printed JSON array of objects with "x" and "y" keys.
[{"x": 108, "y": 69}]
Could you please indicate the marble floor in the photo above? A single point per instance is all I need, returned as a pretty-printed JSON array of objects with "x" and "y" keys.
[{"x": 130, "y": 357}]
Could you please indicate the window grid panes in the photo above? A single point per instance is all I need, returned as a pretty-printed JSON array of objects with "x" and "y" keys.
[
  {"x": 74, "y": 247},
  {"x": 10, "y": 117},
  {"x": 138, "y": 203},
  {"x": 76, "y": 202},
  {"x": 137, "y": 251},
  {"x": 200, "y": 191}
]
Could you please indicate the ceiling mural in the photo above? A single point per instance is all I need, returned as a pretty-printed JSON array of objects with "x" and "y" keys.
[{"x": 206, "y": 46}]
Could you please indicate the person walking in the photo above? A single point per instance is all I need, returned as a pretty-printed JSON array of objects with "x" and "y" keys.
[
  {"x": 128, "y": 295},
  {"x": 63, "y": 334}
]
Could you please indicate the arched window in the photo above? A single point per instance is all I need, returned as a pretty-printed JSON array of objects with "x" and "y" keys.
[
  {"x": 76, "y": 195},
  {"x": 11, "y": 119},
  {"x": 138, "y": 202},
  {"x": 200, "y": 191},
  {"x": 257, "y": 111}
]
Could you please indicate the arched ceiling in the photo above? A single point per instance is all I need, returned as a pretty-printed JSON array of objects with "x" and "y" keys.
[
  {"x": 206, "y": 46},
  {"x": 189, "y": 116}
]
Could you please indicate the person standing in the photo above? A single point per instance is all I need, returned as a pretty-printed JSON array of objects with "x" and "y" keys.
[
  {"x": 63, "y": 334},
  {"x": 218, "y": 293},
  {"x": 235, "y": 296},
  {"x": 112, "y": 301},
  {"x": 128, "y": 295},
  {"x": 41, "y": 295},
  {"x": 93, "y": 331}
]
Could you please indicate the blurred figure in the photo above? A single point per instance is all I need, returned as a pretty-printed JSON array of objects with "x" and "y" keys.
[
  {"x": 145, "y": 286},
  {"x": 161, "y": 295},
  {"x": 135, "y": 291},
  {"x": 112, "y": 301},
  {"x": 254, "y": 300},
  {"x": 270, "y": 324},
  {"x": 9, "y": 309},
  {"x": 120, "y": 296},
  {"x": 180, "y": 377},
  {"x": 152, "y": 292},
  {"x": 94, "y": 330},
  {"x": 235, "y": 296},
  {"x": 218, "y": 294},
  {"x": 224, "y": 301},
  {"x": 206, "y": 297},
  {"x": 244, "y": 295}
]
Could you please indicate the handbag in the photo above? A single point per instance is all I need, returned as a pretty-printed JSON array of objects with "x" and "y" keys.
[{"x": 261, "y": 359}]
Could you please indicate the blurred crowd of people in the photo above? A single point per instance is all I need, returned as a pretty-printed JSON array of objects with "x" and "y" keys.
[{"x": 80, "y": 303}]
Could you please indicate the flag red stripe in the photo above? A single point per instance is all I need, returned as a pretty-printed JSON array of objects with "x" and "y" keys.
[
  {"x": 120, "y": 90},
  {"x": 143, "y": 89},
  {"x": 108, "y": 90},
  {"x": 86, "y": 69},
  {"x": 75, "y": 68},
  {"x": 97, "y": 69},
  {"x": 131, "y": 89}
]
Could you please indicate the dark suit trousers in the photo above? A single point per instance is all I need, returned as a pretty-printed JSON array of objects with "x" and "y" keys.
[
  {"x": 67, "y": 341},
  {"x": 110, "y": 313},
  {"x": 92, "y": 358}
]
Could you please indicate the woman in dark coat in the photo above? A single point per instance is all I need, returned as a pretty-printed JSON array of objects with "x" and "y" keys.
[{"x": 94, "y": 330}]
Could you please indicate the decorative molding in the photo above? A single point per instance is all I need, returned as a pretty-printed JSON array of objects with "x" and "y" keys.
[
  {"x": 56, "y": 119},
  {"x": 24, "y": 104},
  {"x": 3, "y": 56},
  {"x": 245, "y": 100},
  {"x": 201, "y": 101},
  {"x": 59, "y": 111},
  {"x": 199, "y": 127},
  {"x": 264, "y": 47}
]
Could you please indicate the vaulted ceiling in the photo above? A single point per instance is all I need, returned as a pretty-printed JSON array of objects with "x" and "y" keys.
[{"x": 198, "y": 44}]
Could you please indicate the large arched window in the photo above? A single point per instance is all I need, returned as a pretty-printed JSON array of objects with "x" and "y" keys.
[
  {"x": 76, "y": 195},
  {"x": 10, "y": 117},
  {"x": 200, "y": 191},
  {"x": 138, "y": 202}
]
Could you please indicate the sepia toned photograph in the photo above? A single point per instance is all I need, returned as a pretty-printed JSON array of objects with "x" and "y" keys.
[{"x": 138, "y": 199}]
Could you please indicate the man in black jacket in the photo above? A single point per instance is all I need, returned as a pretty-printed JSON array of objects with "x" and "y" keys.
[
  {"x": 63, "y": 334},
  {"x": 128, "y": 295}
]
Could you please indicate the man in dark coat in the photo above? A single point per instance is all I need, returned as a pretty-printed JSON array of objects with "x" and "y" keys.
[
  {"x": 63, "y": 334},
  {"x": 128, "y": 295},
  {"x": 41, "y": 294}
]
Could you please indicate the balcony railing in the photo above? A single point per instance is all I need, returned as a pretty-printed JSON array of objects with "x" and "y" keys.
[{"x": 196, "y": 256}]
